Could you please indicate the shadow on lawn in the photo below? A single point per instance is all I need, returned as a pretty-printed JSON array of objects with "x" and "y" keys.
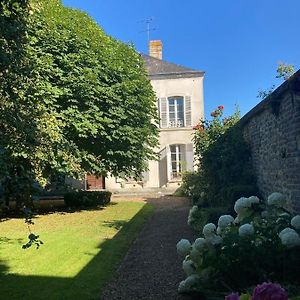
[
  {"x": 47, "y": 209},
  {"x": 4, "y": 239},
  {"x": 88, "y": 283}
]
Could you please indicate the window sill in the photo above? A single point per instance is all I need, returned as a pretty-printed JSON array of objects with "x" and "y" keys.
[{"x": 176, "y": 129}]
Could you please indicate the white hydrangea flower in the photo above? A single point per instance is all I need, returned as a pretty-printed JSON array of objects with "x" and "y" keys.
[
  {"x": 214, "y": 239},
  {"x": 209, "y": 229},
  {"x": 246, "y": 229},
  {"x": 277, "y": 199},
  {"x": 295, "y": 222},
  {"x": 188, "y": 267},
  {"x": 220, "y": 230},
  {"x": 183, "y": 247},
  {"x": 191, "y": 280},
  {"x": 200, "y": 244},
  {"x": 182, "y": 288},
  {"x": 289, "y": 237},
  {"x": 237, "y": 220},
  {"x": 195, "y": 255},
  {"x": 285, "y": 231},
  {"x": 194, "y": 209},
  {"x": 225, "y": 221},
  {"x": 192, "y": 213},
  {"x": 253, "y": 199},
  {"x": 242, "y": 205}
]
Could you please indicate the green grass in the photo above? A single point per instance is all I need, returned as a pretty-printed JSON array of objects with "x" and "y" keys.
[{"x": 80, "y": 254}]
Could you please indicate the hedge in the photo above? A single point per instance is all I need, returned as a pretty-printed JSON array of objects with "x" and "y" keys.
[{"x": 87, "y": 199}]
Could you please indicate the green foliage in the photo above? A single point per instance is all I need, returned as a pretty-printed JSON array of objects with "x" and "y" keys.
[
  {"x": 225, "y": 170},
  {"x": 73, "y": 99},
  {"x": 87, "y": 199},
  {"x": 285, "y": 71}
]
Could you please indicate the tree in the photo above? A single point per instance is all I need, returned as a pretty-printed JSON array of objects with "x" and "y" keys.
[
  {"x": 81, "y": 101},
  {"x": 284, "y": 71}
]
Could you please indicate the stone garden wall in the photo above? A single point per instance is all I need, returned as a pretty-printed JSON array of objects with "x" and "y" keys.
[{"x": 272, "y": 129}]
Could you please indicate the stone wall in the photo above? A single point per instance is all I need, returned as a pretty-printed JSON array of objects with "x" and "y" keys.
[{"x": 272, "y": 129}]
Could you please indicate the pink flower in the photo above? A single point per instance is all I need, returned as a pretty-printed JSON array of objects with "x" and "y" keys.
[
  {"x": 213, "y": 114},
  {"x": 233, "y": 296},
  {"x": 221, "y": 107},
  {"x": 269, "y": 291}
]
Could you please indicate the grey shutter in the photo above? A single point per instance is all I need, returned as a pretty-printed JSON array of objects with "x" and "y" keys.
[
  {"x": 188, "y": 111},
  {"x": 163, "y": 167},
  {"x": 145, "y": 176},
  {"x": 163, "y": 112},
  {"x": 189, "y": 156}
]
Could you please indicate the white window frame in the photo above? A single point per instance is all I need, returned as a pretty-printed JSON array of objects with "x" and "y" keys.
[
  {"x": 179, "y": 152},
  {"x": 175, "y": 98}
]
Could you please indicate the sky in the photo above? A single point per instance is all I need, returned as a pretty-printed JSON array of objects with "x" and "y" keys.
[{"x": 238, "y": 43}]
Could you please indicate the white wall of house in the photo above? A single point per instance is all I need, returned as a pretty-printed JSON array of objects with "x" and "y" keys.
[
  {"x": 160, "y": 172},
  {"x": 192, "y": 87}
]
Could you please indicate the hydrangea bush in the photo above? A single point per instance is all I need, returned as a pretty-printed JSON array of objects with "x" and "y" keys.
[{"x": 261, "y": 243}]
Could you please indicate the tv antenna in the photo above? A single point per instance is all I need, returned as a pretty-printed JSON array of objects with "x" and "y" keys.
[{"x": 148, "y": 21}]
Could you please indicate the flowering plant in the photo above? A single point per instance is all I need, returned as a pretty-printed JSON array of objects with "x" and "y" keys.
[
  {"x": 261, "y": 243},
  {"x": 220, "y": 147},
  {"x": 264, "y": 291}
]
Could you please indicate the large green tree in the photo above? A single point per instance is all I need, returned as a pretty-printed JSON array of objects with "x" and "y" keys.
[{"x": 73, "y": 100}]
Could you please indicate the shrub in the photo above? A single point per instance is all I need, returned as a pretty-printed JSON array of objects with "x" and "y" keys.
[
  {"x": 261, "y": 244},
  {"x": 87, "y": 199},
  {"x": 199, "y": 216},
  {"x": 220, "y": 148}
]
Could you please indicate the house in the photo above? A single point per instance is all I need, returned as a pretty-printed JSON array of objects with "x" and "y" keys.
[{"x": 179, "y": 92}]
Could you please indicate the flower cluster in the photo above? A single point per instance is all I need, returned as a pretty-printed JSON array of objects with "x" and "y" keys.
[
  {"x": 289, "y": 237},
  {"x": 217, "y": 112},
  {"x": 243, "y": 207},
  {"x": 259, "y": 226},
  {"x": 264, "y": 291},
  {"x": 277, "y": 199},
  {"x": 199, "y": 127},
  {"x": 193, "y": 215}
]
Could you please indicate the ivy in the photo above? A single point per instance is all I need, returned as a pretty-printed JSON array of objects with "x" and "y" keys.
[{"x": 224, "y": 170}]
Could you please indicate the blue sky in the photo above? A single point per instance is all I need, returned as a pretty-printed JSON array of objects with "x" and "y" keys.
[{"x": 238, "y": 43}]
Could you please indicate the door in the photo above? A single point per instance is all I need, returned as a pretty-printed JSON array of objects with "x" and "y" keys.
[{"x": 94, "y": 182}]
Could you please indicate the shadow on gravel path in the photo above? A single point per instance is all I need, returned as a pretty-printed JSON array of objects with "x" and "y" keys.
[{"x": 152, "y": 268}]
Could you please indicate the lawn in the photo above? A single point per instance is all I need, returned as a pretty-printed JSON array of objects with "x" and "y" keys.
[{"x": 80, "y": 253}]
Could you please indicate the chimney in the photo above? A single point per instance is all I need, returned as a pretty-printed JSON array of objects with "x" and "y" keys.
[{"x": 155, "y": 48}]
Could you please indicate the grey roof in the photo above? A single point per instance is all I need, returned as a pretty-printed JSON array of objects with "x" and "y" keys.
[{"x": 160, "y": 68}]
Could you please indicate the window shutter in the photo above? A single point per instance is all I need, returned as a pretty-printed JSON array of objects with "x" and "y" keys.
[
  {"x": 189, "y": 156},
  {"x": 188, "y": 111},
  {"x": 163, "y": 167},
  {"x": 163, "y": 112},
  {"x": 145, "y": 176}
]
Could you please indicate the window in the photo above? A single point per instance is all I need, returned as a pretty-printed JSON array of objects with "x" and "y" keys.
[
  {"x": 177, "y": 161},
  {"x": 176, "y": 111}
]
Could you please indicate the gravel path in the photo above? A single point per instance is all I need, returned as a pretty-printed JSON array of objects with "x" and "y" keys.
[{"x": 152, "y": 268}]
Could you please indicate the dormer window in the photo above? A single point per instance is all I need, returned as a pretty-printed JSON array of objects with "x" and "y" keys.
[{"x": 175, "y": 112}]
